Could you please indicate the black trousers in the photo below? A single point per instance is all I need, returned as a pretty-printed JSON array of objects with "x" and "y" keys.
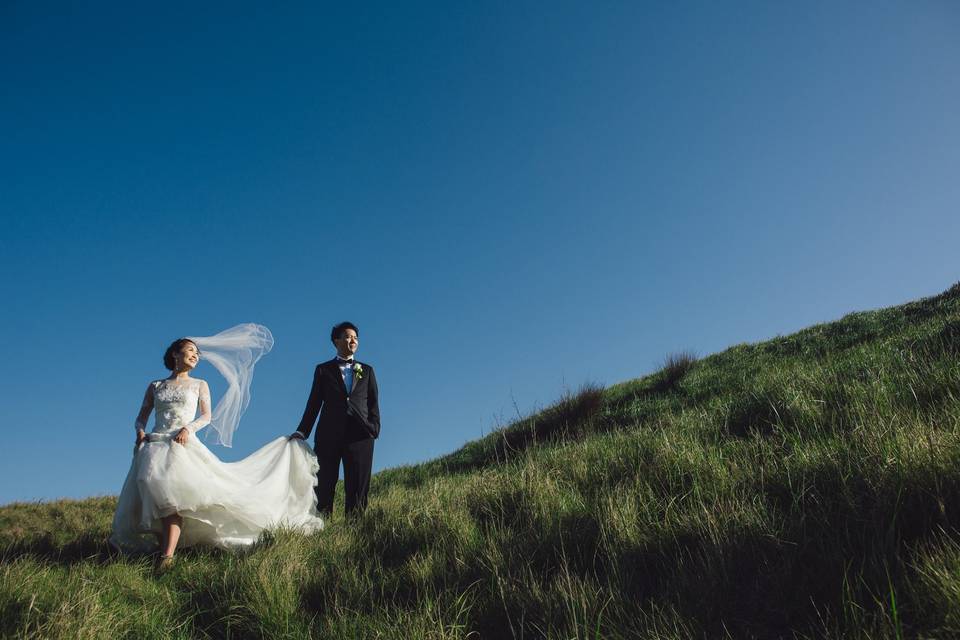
[{"x": 357, "y": 463}]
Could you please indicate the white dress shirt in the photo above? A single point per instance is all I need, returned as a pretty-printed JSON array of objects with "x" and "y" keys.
[{"x": 346, "y": 370}]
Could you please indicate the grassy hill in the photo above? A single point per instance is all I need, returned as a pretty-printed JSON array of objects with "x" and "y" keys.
[{"x": 806, "y": 486}]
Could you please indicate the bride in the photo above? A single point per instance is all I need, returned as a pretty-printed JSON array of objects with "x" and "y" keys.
[{"x": 179, "y": 493}]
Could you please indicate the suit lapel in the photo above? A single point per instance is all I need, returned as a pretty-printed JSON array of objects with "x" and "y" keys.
[
  {"x": 356, "y": 380},
  {"x": 335, "y": 372}
]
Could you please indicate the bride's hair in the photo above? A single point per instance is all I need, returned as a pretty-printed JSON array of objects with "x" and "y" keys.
[{"x": 168, "y": 360}]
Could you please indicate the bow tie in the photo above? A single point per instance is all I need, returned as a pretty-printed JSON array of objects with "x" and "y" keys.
[{"x": 342, "y": 362}]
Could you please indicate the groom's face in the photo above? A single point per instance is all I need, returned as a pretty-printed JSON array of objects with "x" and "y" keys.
[{"x": 347, "y": 343}]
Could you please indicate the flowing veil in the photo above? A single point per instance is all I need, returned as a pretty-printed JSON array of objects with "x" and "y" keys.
[{"x": 233, "y": 352}]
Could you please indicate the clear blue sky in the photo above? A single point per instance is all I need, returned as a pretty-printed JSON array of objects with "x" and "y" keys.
[{"x": 509, "y": 199}]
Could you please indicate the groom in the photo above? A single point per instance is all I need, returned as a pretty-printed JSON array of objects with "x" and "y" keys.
[{"x": 344, "y": 394}]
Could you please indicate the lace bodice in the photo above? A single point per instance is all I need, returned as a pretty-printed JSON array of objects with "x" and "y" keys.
[{"x": 176, "y": 403}]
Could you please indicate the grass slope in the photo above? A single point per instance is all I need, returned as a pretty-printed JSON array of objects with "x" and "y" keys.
[{"x": 806, "y": 486}]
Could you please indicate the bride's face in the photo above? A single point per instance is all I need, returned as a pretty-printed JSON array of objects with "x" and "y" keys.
[{"x": 189, "y": 356}]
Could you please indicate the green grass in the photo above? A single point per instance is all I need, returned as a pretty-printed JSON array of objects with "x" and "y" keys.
[{"x": 803, "y": 487}]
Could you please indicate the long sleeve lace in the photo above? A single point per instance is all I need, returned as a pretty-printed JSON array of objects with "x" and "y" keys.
[
  {"x": 140, "y": 424},
  {"x": 203, "y": 419}
]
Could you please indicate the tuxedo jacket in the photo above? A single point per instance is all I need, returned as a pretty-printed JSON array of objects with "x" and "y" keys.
[{"x": 344, "y": 417}]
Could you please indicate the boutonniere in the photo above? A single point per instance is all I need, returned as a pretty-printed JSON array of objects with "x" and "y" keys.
[{"x": 357, "y": 369}]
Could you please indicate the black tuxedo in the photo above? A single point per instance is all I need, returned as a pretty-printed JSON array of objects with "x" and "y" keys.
[{"x": 348, "y": 425}]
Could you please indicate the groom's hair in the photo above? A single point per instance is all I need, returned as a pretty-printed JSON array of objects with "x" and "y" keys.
[{"x": 338, "y": 330}]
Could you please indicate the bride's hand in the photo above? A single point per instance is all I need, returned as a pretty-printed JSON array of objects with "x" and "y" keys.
[
  {"x": 141, "y": 436},
  {"x": 182, "y": 435}
]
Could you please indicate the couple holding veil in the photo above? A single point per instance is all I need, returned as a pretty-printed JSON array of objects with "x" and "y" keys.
[{"x": 178, "y": 493}]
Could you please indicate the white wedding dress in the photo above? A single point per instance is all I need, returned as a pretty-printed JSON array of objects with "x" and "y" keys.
[{"x": 223, "y": 504}]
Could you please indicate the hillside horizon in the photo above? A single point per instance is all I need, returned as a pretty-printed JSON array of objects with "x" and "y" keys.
[{"x": 566, "y": 394}]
